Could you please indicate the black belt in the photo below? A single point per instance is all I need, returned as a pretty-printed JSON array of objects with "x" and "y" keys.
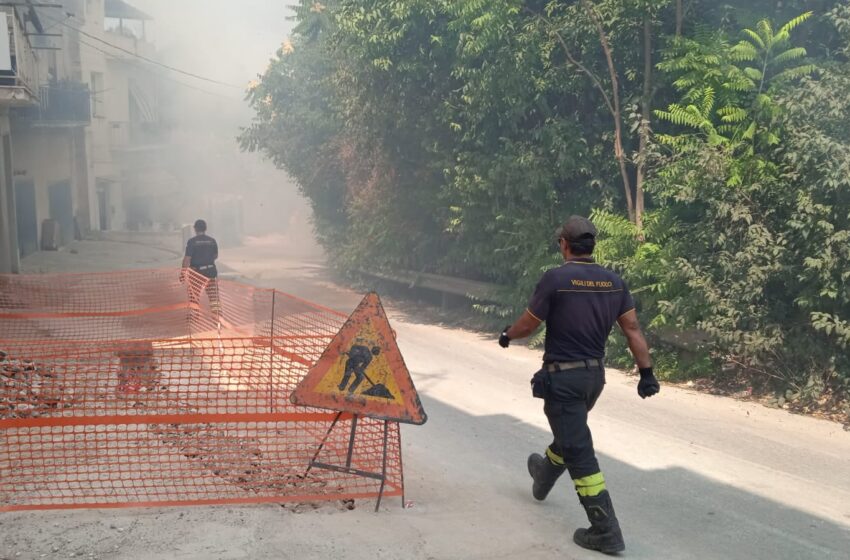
[{"x": 553, "y": 367}]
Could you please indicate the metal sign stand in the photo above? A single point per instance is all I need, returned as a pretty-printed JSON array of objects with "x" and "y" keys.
[{"x": 348, "y": 469}]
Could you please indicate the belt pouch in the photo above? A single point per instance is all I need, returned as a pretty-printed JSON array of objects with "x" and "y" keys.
[{"x": 540, "y": 384}]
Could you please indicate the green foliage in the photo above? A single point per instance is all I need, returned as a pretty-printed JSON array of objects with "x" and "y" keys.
[
  {"x": 454, "y": 136},
  {"x": 640, "y": 260},
  {"x": 760, "y": 262},
  {"x": 767, "y": 56},
  {"x": 727, "y": 92},
  {"x": 314, "y": 18}
]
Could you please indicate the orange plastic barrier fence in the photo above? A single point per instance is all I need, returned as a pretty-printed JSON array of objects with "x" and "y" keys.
[{"x": 139, "y": 389}]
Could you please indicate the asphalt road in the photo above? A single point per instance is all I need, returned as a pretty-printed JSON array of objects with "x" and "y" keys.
[{"x": 692, "y": 476}]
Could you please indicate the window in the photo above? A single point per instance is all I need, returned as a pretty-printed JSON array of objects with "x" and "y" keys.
[
  {"x": 132, "y": 28},
  {"x": 97, "y": 94}
]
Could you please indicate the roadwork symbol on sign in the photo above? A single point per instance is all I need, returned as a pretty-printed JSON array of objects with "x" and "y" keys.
[{"x": 362, "y": 371}]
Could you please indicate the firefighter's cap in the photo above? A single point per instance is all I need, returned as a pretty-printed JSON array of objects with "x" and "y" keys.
[{"x": 577, "y": 227}]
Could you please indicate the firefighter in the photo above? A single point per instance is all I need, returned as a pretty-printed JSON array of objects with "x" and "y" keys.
[
  {"x": 201, "y": 254},
  {"x": 580, "y": 302}
]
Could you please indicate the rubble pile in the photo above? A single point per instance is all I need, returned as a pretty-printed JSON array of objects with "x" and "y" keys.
[
  {"x": 238, "y": 459},
  {"x": 29, "y": 389}
]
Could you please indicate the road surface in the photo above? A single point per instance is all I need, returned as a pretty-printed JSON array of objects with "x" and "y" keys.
[{"x": 692, "y": 476}]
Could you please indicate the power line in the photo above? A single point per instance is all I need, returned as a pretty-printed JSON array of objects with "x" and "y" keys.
[
  {"x": 164, "y": 76},
  {"x": 55, "y": 22},
  {"x": 141, "y": 57}
]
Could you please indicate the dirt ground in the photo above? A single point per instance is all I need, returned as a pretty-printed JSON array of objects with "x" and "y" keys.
[{"x": 693, "y": 476}]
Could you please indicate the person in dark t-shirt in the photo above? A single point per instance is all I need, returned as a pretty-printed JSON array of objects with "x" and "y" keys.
[
  {"x": 580, "y": 302},
  {"x": 201, "y": 254}
]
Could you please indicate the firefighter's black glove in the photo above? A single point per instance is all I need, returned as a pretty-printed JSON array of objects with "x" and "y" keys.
[
  {"x": 504, "y": 341},
  {"x": 648, "y": 385}
]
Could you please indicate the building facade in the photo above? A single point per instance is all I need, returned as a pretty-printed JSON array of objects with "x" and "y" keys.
[
  {"x": 79, "y": 111},
  {"x": 21, "y": 76}
]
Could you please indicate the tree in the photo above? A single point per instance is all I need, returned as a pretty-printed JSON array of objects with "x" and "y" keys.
[
  {"x": 453, "y": 136},
  {"x": 732, "y": 182}
]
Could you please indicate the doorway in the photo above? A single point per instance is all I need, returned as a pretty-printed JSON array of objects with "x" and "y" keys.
[
  {"x": 103, "y": 208},
  {"x": 62, "y": 209},
  {"x": 25, "y": 211}
]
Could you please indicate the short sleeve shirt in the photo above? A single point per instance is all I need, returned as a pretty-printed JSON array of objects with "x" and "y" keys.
[
  {"x": 580, "y": 303},
  {"x": 203, "y": 250}
]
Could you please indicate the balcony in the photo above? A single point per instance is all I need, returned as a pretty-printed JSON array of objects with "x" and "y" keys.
[
  {"x": 126, "y": 28},
  {"x": 61, "y": 104},
  {"x": 145, "y": 130},
  {"x": 19, "y": 77}
]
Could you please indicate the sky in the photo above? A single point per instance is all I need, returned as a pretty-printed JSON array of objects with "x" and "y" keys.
[
  {"x": 231, "y": 42},
  {"x": 222, "y": 40}
]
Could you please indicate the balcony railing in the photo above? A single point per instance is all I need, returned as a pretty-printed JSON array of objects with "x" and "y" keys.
[
  {"x": 130, "y": 47},
  {"x": 19, "y": 72},
  {"x": 62, "y": 103}
]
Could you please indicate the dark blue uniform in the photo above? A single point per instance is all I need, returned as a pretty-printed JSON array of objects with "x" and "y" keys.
[
  {"x": 203, "y": 252},
  {"x": 580, "y": 303}
]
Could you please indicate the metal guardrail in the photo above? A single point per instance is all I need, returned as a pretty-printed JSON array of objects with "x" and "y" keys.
[
  {"x": 473, "y": 289},
  {"x": 688, "y": 341}
]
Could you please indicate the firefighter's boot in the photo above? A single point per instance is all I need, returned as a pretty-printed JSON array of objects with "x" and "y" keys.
[
  {"x": 545, "y": 473},
  {"x": 604, "y": 533}
]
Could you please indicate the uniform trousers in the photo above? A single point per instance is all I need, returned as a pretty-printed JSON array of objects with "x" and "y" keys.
[
  {"x": 210, "y": 286},
  {"x": 570, "y": 395}
]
